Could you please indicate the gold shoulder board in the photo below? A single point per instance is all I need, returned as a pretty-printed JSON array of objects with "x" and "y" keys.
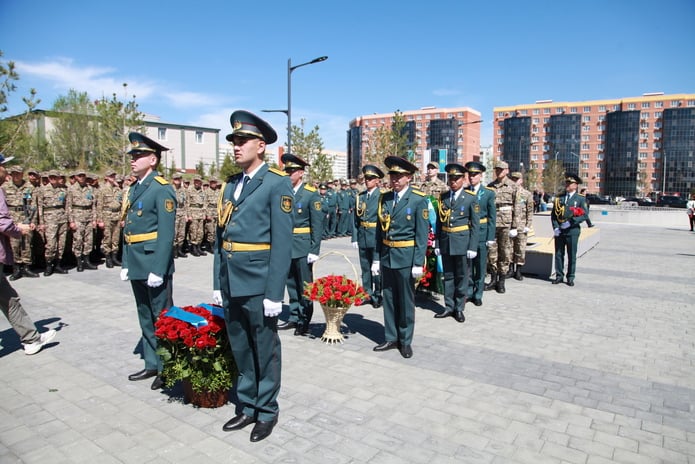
[
  {"x": 418, "y": 192},
  {"x": 277, "y": 171},
  {"x": 310, "y": 188},
  {"x": 161, "y": 180}
]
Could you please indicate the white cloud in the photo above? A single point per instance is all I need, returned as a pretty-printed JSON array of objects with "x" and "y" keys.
[{"x": 64, "y": 75}]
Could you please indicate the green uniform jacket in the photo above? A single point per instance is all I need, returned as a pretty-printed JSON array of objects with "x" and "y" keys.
[
  {"x": 487, "y": 213},
  {"x": 307, "y": 214},
  {"x": 151, "y": 207},
  {"x": 408, "y": 221},
  {"x": 261, "y": 215},
  {"x": 364, "y": 232},
  {"x": 561, "y": 212},
  {"x": 463, "y": 213}
]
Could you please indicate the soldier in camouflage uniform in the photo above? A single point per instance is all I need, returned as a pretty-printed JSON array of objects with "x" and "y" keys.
[
  {"x": 211, "y": 195},
  {"x": 196, "y": 207},
  {"x": 506, "y": 226},
  {"x": 109, "y": 204},
  {"x": 525, "y": 208},
  {"x": 20, "y": 202},
  {"x": 53, "y": 221},
  {"x": 433, "y": 185},
  {"x": 182, "y": 216},
  {"x": 81, "y": 210}
]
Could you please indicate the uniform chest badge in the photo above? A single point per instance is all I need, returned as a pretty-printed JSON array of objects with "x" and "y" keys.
[
  {"x": 317, "y": 205},
  {"x": 286, "y": 203},
  {"x": 425, "y": 214},
  {"x": 169, "y": 205}
]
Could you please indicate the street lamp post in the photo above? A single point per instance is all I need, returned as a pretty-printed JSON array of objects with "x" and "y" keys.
[{"x": 288, "y": 111}]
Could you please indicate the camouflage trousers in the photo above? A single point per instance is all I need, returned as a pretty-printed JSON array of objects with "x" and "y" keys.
[
  {"x": 179, "y": 229},
  {"x": 195, "y": 232},
  {"x": 112, "y": 235},
  {"x": 56, "y": 234},
  {"x": 500, "y": 256},
  {"x": 519, "y": 256},
  {"x": 210, "y": 230},
  {"x": 21, "y": 248},
  {"x": 83, "y": 238}
]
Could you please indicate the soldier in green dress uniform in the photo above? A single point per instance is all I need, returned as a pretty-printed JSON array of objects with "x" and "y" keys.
[
  {"x": 306, "y": 244},
  {"x": 252, "y": 261},
  {"x": 401, "y": 243},
  {"x": 458, "y": 226},
  {"x": 486, "y": 237},
  {"x": 148, "y": 237},
  {"x": 364, "y": 232},
  {"x": 569, "y": 211}
]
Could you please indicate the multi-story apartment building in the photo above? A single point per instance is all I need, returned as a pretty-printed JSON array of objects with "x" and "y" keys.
[
  {"x": 633, "y": 146},
  {"x": 442, "y": 135}
]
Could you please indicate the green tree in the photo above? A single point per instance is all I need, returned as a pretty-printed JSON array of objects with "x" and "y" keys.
[
  {"x": 388, "y": 141},
  {"x": 116, "y": 119},
  {"x": 531, "y": 178},
  {"x": 74, "y": 139},
  {"x": 228, "y": 168},
  {"x": 553, "y": 176},
  {"x": 14, "y": 134},
  {"x": 309, "y": 147},
  {"x": 200, "y": 168}
]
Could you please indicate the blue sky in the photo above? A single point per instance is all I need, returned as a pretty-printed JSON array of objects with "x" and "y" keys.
[{"x": 196, "y": 62}]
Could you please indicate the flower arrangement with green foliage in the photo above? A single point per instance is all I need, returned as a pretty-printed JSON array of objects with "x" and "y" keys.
[
  {"x": 197, "y": 351},
  {"x": 336, "y": 291}
]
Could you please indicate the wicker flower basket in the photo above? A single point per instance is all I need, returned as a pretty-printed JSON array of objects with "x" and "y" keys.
[
  {"x": 204, "y": 399},
  {"x": 334, "y": 315}
]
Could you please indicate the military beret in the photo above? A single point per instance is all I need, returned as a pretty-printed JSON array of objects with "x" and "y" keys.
[
  {"x": 572, "y": 178},
  {"x": 293, "y": 161},
  {"x": 474, "y": 167},
  {"x": 516, "y": 175},
  {"x": 246, "y": 124},
  {"x": 371, "y": 171},
  {"x": 141, "y": 145},
  {"x": 455, "y": 169},
  {"x": 16, "y": 169},
  {"x": 398, "y": 165},
  {"x": 499, "y": 164}
]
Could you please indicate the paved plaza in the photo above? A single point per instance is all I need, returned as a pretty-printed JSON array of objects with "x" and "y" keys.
[{"x": 597, "y": 373}]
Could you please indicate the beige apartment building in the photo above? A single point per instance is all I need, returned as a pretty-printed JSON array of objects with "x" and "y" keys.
[{"x": 631, "y": 146}]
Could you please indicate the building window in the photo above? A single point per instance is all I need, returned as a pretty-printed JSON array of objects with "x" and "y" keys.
[
  {"x": 602, "y": 108},
  {"x": 658, "y": 104},
  {"x": 573, "y": 110},
  {"x": 644, "y": 115},
  {"x": 657, "y": 114},
  {"x": 198, "y": 136},
  {"x": 161, "y": 133},
  {"x": 600, "y": 146},
  {"x": 535, "y": 120},
  {"x": 674, "y": 103},
  {"x": 536, "y": 111},
  {"x": 534, "y": 138},
  {"x": 586, "y": 138},
  {"x": 616, "y": 107},
  {"x": 534, "y": 148},
  {"x": 546, "y": 110},
  {"x": 601, "y": 118},
  {"x": 645, "y": 104},
  {"x": 534, "y": 130},
  {"x": 598, "y": 175},
  {"x": 601, "y": 137},
  {"x": 586, "y": 128},
  {"x": 587, "y": 109},
  {"x": 500, "y": 115},
  {"x": 546, "y": 120},
  {"x": 630, "y": 106},
  {"x": 691, "y": 103},
  {"x": 644, "y": 145},
  {"x": 585, "y": 156},
  {"x": 586, "y": 146},
  {"x": 599, "y": 156},
  {"x": 559, "y": 110},
  {"x": 586, "y": 118},
  {"x": 642, "y": 155}
]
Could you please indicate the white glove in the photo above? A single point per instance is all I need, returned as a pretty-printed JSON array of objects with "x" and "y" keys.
[
  {"x": 124, "y": 274},
  {"x": 513, "y": 233},
  {"x": 376, "y": 265},
  {"x": 355, "y": 245},
  {"x": 470, "y": 254},
  {"x": 437, "y": 252},
  {"x": 217, "y": 297},
  {"x": 565, "y": 225},
  {"x": 416, "y": 272},
  {"x": 490, "y": 243},
  {"x": 271, "y": 308},
  {"x": 311, "y": 258},
  {"x": 154, "y": 280},
  {"x": 526, "y": 229},
  {"x": 556, "y": 232}
]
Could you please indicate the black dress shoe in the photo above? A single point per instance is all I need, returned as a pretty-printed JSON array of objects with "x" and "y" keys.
[
  {"x": 458, "y": 315},
  {"x": 301, "y": 329},
  {"x": 263, "y": 429},
  {"x": 477, "y": 302},
  {"x": 558, "y": 280},
  {"x": 406, "y": 351},
  {"x": 143, "y": 374},
  {"x": 157, "y": 383},
  {"x": 446, "y": 313},
  {"x": 376, "y": 303},
  {"x": 570, "y": 283},
  {"x": 386, "y": 346},
  {"x": 287, "y": 325},
  {"x": 238, "y": 422}
]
